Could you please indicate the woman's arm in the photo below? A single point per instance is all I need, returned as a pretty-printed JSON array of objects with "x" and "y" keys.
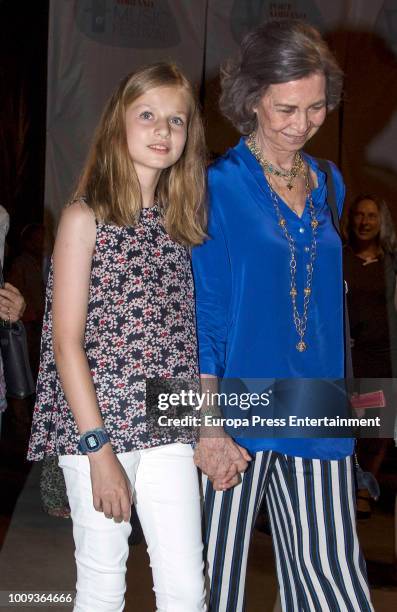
[
  {"x": 73, "y": 252},
  {"x": 216, "y": 454}
]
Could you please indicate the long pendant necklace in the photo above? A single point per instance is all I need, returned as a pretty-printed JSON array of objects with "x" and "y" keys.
[{"x": 300, "y": 320}]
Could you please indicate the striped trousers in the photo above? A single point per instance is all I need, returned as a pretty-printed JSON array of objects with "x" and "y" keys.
[{"x": 311, "y": 505}]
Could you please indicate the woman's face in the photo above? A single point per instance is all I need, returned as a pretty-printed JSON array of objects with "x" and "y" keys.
[
  {"x": 366, "y": 221},
  {"x": 289, "y": 114}
]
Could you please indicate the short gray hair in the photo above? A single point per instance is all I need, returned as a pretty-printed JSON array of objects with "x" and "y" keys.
[{"x": 275, "y": 52}]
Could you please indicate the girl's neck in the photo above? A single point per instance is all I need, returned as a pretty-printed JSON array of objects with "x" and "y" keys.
[
  {"x": 148, "y": 183},
  {"x": 148, "y": 197}
]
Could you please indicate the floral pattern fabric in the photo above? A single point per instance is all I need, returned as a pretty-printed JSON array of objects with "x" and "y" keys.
[{"x": 140, "y": 324}]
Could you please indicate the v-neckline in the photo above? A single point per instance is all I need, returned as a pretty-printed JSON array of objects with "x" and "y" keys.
[{"x": 256, "y": 171}]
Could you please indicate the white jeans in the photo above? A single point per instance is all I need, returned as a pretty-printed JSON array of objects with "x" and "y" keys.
[{"x": 166, "y": 494}]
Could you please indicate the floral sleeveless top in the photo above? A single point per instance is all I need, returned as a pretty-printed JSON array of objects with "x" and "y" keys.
[{"x": 140, "y": 324}]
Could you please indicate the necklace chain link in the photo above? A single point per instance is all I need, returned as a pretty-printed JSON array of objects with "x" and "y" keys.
[
  {"x": 300, "y": 320},
  {"x": 298, "y": 167}
]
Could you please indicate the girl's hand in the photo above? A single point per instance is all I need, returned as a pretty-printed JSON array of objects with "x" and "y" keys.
[
  {"x": 12, "y": 303},
  {"x": 111, "y": 488}
]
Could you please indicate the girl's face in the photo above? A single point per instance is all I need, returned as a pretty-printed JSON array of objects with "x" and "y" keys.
[{"x": 156, "y": 128}]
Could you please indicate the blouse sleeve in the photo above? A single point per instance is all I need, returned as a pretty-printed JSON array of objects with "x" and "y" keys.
[{"x": 212, "y": 278}]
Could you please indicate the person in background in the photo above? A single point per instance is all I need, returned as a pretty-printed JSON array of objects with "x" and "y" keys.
[
  {"x": 4, "y": 226},
  {"x": 12, "y": 307},
  {"x": 12, "y": 303},
  {"x": 29, "y": 272},
  {"x": 370, "y": 267},
  {"x": 269, "y": 294},
  {"x": 26, "y": 273}
]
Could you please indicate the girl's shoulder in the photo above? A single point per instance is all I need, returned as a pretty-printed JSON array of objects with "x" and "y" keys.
[
  {"x": 77, "y": 223},
  {"x": 79, "y": 214},
  {"x": 78, "y": 209}
]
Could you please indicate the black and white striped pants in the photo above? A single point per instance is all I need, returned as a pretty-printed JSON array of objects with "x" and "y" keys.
[{"x": 311, "y": 504}]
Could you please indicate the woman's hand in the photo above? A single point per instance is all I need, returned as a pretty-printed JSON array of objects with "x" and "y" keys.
[
  {"x": 12, "y": 303},
  {"x": 217, "y": 455},
  {"x": 222, "y": 460},
  {"x": 111, "y": 488}
]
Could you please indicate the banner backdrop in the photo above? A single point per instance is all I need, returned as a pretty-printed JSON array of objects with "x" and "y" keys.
[
  {"x": 92, "y": 45},
  {"x": 369, "y": 160}
]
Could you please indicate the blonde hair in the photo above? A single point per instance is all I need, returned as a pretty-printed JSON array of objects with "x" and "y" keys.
[{"x": 109, "y": 181}]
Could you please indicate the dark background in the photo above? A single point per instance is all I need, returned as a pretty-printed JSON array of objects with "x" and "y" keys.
[{"x": 23, "y": 61}]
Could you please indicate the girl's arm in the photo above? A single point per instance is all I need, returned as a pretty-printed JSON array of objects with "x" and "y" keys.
[{"x": 73, "y": 252}]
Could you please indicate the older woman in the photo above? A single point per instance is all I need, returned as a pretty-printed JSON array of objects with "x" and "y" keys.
[{"x": 270, "y": 304}]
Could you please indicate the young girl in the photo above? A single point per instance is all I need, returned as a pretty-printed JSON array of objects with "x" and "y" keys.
[{"x": 119, "y": 310}]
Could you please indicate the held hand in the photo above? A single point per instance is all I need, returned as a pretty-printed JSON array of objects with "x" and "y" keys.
[
  {"x": 221, "y": 459},
  {"x": 223, "y": 485},
  {"x": 111, "y": 488},
  {"x": 231, "y": 479},
  {"x": 244, "y": 453},
  {"x": 12, "y": 303}
]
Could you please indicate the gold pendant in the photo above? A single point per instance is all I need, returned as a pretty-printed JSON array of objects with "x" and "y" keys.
[{"x": 301, "y": 346}]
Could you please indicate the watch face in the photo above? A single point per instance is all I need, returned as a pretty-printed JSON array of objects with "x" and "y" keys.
[{"x": 92, "y": 441}]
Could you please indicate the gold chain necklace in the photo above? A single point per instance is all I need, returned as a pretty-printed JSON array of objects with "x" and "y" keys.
[
  {"x": 289, "y": 176},
  {"x": 300, "y": 320}
]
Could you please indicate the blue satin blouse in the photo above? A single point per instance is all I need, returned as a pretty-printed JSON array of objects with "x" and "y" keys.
[{"x": 242, "y": 282}]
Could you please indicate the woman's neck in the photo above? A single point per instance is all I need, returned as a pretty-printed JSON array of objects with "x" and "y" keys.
[
  {"x": 367, "y": 250},
  {"x": 277, "y": 157}
]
